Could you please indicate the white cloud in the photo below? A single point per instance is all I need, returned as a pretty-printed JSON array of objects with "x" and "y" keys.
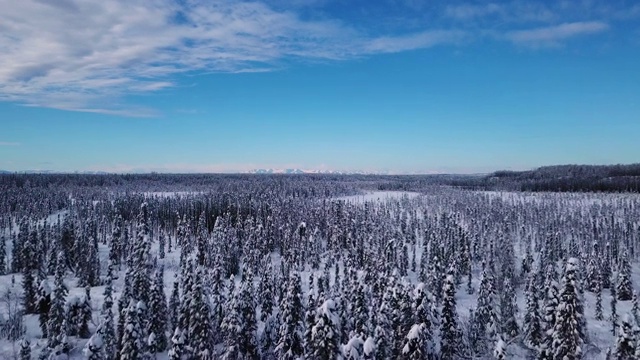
[
  {"x": 84, "y": 55},
  {"x": 421, "y": 40},
  {"x": 553, "y": 35}
]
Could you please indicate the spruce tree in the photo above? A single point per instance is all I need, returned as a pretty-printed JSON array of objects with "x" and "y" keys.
[
  {"x": 94, "y": 350},
  {"x": 200, "y": 334},
  {"x": 3, "y": 255},
  {"x": 290, "y": 344},
  {"x": 626, "y": 340},
  {"x": 624, "y": 288},
  {"x": 449, "y": 320},
  {"x": 568, "y": 338},
  {"x": 324, "y": 333},
  {"x": 158, "y": 308},
  {"x": 56, "y": 326},
  {"x": 132, "y": 347},
  {"x": 25, "y": 349},
  {"x": 106, "y": 329},
  {"x": 532, "y": 329}
]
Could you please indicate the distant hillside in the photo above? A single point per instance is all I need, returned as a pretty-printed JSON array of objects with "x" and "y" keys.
[{"x": 602, "y": 178}]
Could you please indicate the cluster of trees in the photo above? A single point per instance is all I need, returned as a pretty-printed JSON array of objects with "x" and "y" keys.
[{"x": 273, "y": 271}]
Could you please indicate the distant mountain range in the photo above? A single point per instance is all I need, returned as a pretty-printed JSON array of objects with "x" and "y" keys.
[{"x": 301, "y": 171}]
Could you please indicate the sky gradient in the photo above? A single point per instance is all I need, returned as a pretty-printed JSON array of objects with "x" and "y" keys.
[{"x": 378, "y": 86}]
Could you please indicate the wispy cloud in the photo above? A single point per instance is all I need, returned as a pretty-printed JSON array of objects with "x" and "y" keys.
[
  {"x": 9, "y": 143},
  {"x": 81, "y": 54},
  {"x": 553, "y": 35}
]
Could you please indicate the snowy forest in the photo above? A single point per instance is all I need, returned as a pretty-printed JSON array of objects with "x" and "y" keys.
[{"x": 313, "y": 267}]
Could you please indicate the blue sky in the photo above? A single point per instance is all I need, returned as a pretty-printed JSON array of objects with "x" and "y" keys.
[{"x": 400, "y": 86}]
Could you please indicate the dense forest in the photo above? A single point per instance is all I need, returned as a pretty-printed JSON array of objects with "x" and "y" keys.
[{"x": 313, "y": 267}]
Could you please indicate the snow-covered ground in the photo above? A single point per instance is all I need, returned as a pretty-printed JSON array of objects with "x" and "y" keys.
[{"x": 378, "y": 196}]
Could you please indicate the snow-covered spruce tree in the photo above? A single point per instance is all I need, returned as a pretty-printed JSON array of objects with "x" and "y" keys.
[
  {"x": 158, "y": 323},
  {"x": 360, "y": 312},
  {"x": 174, "y": 305},
  {"x": 485, "y": 323},
  {"x": 369, "y": 349},
  {"x": 56, "y": 327},
  {"x": 624, "y": 288},
  {"x": 594, "y": 270},
  {"x": 383, "y": 329},
  {"x": 353, "y": 349},
  {"x": 309, "y": 322},
  {"x": 626, "y": 340},
  {"x": 568, "y": 339},
  {"x": 177, "y": 350},
  {"x": 290, "y": 344},
  {"x": 550, "y": 306},
  {"x": 614, "y": 311},
  {"x": 29, "y": 291},
  {"x": 531, "y": 326},
  {"x": 85, "y": 315},
  {"x": 269, "y": 337},
  {"x": 139, "y": 261},
  {"x": 133, "y": 346},
  {"x": 449, "y": 320},
  {"x": 3, "y": 255},
  {"x": 325, "y": 333},
  {"x": 635, "y": 308},
  {"x": 500, "y": 350},
  {"x": 265, "y": 289},
  {"x": 248, "y": 329},
  {"x": 94, "y": 349},
  {"x": 598, "y": 307},
  {"x": 44, "y": 306},
  {"x": 416, "y": 344},
  {"x": 25, "y": 349},
  {"x": 200, "y": 334},
  {"x": 425, "y": 313},
  {"x": 107, "y": 330},
  {"x": 231, "y": 324}
]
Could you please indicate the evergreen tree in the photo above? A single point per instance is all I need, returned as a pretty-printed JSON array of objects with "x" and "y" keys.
[
  {"x": 56, "y": 326},
  {"x": 200, "y": 335},
  {"x": 624, "y": 289},
  {"x": 549, "y": 314},
  {"x": 416, "y": 343},
  {"x": 598, "y": 291},
  {"x": 324, "y": 333},
  {"x": 132, "y": 347},
  {"x": 532, "y": 329},
  {"x": 567, "y": 338},
  {"x": 449, "y": 320},
  {"x": 177, "y": 351},
  {"x": 85, "y": 315},
  {"x": 29, "y": 291},
  {"x": 614, "y": 310},
  {"x": 106, "y": 329},
  {"x": 3, "y": 255},
  {"x": 248, "y": 345},
  {"x": 508, "y": 310},
  {"x": 485, "y": 321},
  {"x": 93, "y": 350},
  {"x": 626, "y": 340},
  {"x": 290, "y": 335},
  {"x": 158, "y": 307},
  {"x": 174, "y": 305},
  {"x": 44, "y": 306},
  {"x": 25, "y": 349},
  {"x": 500, "y": 351}
]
